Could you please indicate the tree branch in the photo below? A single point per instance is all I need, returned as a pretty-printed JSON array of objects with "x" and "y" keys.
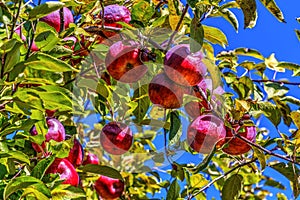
[
  {"x": 275, "y": 81},
  {"x": 177, "y": 26},
  {"x": 218, "y": 178},
  {"x": 264, "y": 149}
]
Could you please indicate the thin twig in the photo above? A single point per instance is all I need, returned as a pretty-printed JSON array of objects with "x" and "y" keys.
[
  {"x": 177, "y": 26},
  {"x": 218, "y": 178},
  {"x": 62, "y": 20},
  {"x": 264, "y": 149},
  {"x": 275, "y": 81}
]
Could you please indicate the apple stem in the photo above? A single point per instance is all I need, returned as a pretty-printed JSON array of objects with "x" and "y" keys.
[
  {"x": 177, "y": 27},
  {"x": 218, "y": 178},
  {"x": 264, "y": 149}
]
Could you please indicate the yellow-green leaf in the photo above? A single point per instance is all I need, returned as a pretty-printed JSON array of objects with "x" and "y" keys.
[{"x": 215, "y": 35}]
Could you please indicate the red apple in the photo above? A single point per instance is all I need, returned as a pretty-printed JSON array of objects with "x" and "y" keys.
[
  {"x": 165, "y": 93},
  {"x": 19, "y": 32},
  {"x": 236, "y": 146},
  {"x": 204, "y": 132},
  {"x": 76, "y": 153},
  {"x": 53, "y": 19},
  {"x": 56, "y": 131},
  {"x": 66, "y": 171},
  {"x": 123, "y": 62},
  {"x": 116, "y": 138},
  {"x": 113, "y": 14},
  {"x": 91, "y": 159},
  {"x": 184, "y": 67},
  {"x": 109, "y": 188}
]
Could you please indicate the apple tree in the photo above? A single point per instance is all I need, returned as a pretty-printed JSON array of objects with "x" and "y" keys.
[{"x": 135, "y": 100}]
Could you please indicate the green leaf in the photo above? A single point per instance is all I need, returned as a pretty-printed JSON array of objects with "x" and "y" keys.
[
  {"x": 249, "y": 52},
  {"x": 20, "y": 183},
  {"x": 270, "y": 111},
  {"x": 45, "y": 39},
  {"x": 297, "y": 34},
  {"x": 273, "y": 183},
  {"x": 44, "y": 9},
  {"x": 229, "y": 16},
  {"x": 41, "y": 167},
  {"x": 36, "y": 193},
  {"x": 198, "y": 181},
  {"x": 275, "y": 90},
  {"x": 141, "y": 96},
  {"x": 3, "y": 171},
  {"x": 102, "y": 170},
  {"x": 16, "y": 155},
  {"x": 196, "y": 35},
  {"x": 250, "y": 13},
  {"x": 295, "y": 115},
  {"x": 274, "y": 9},
  {"x": 214, "y": 72},
  {"x": 63, "y": 191},
  {"x": 175, "y": 124},
  {"x": 215, "y": 35},
  {"x": 41, "y": 61},
  {"x": 13, "y": 54},
  {"x": 232, "y": 187},
  {"x": 142, "y": 11},
  {"x": 290, "y": 66},
  {"x": 261, "y": 157},
  {"x": 174, "y": 190},
  {"x": 201, "y": 166}
]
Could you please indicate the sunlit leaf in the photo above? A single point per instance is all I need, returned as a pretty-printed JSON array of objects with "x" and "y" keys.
[
  {"x": 214, "y": 35},
  {"x": 250, "y": 13},
  {"x": 274, "y": 9},
  {"x": 232, "y": 187},
  {"x": 44, "y": 9}
]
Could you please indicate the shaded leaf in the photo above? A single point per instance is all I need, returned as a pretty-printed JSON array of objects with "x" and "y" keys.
[
  {"x": 174, "y": 190},
  {"x": 140, "y": 96},
  {"x": 196, "y": 35},
  {"x": 175, "y": 124},
  {"x": 232, "y": 187},
  {"x": 250, "y": 13},
  {"x": 274, "y": 9},
  {"x": 102, "y": 170},
  {"x": 64, "y": 191},
  {"x": 261, "y": 157},
  {"x": 297, "y": 33},
  {"x": 41, "y": 167}
]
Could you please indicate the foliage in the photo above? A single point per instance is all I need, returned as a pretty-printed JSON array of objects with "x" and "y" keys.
[{"x": 60, "y": 78}]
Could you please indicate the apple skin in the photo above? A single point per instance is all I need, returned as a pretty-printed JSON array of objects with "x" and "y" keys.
[
  {"x": 116, "y": 138},
  {"x": 165, "y": 93},
  {"x": 53, "y": 19},
  {"x": 76, "y": 153},
  {"x": 66, "y": 171},
  {"x": 183, "y": 67},
  {"x": 123, "y": 62},
  {"x": 33, "y": 46},
  {"x": 91, "y": 159},
  {"x": 109, "y": 188},
  {"x": 204, "y": 132},
  {"x": 56, "y": 131},
  {"x": 113, "y": 14},
  {"x": 236, "y": 146}
]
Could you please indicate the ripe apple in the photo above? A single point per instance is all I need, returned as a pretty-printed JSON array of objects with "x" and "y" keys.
[
  {"x": 109, "y": 188},
  {"x": 204, "y": 132},
  {"x": 165, "y": 93},
  {"x": 56, "y": 131},
  {"x": 236, "y": 146},
  {"x": 123, "y": 62},
  {"x": 113, "y": 14},
  {"x": 66, "y": 171},
  {"x": 76, "y": 153},
  {"x": 19, "y": 32},
  {"x": 116, "y": 138},
  {"x": 184, "y": 67},
  {"x": 53, "y": 19},
  {"x": 91, "y": 159}
]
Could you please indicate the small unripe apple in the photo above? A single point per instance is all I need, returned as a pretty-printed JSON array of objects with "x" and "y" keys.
[
  {"x": 66, "y": 171},
  {"x": 184, "y": 67},
  {"x": 123, "y": 62},
  {"x": 91, "y": 159},
  {"x": 53, "y": 19},
  {"x": 33, "y": 46},
  {"x": 56, "y": 131},
  {"x": 165, "y": 93},
  {"x": 236, "y": 146},
  {"x": 76, "y": 153},
  {"x": 204, "y": 132},
  {"x": 116, "y": 138},
  {"x": 109, "y": 188}
]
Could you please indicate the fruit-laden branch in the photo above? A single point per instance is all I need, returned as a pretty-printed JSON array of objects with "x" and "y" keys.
[
  {"x": 264, "y": 149},
  {"x": 177, "y": 26},
  {"x": 274, "y": 81},
  {"x": 218, "y": 178}
]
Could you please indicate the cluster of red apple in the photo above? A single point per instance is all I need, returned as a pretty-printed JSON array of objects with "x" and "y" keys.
[{"x": 106, "y": 187}]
